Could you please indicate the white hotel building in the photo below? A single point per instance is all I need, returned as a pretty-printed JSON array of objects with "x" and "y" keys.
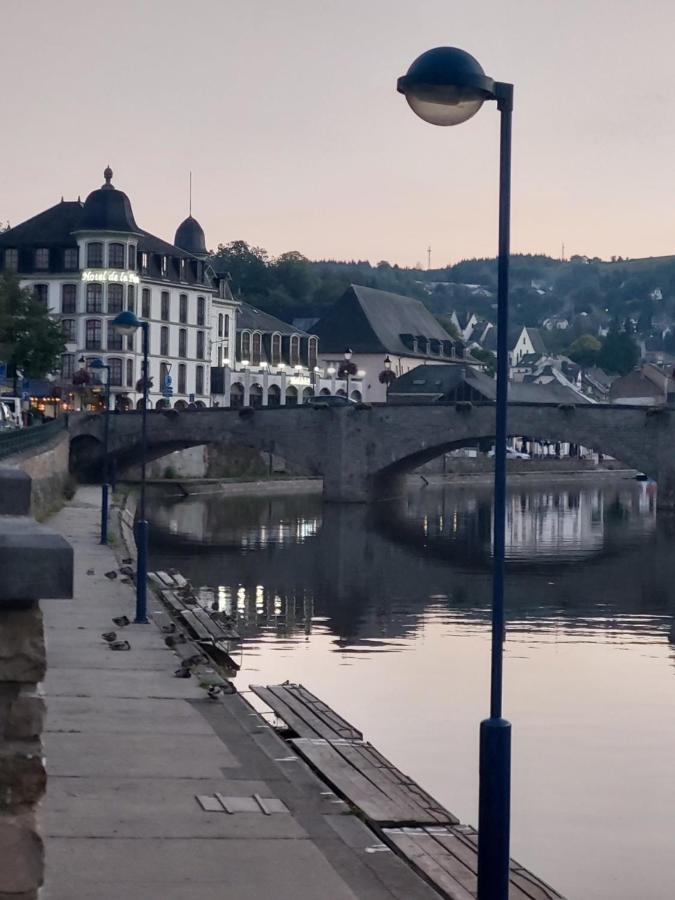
[{"x": 88, "y": 261}]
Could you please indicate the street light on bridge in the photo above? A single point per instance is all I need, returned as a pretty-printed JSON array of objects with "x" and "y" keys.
[
  {"x": 127, "y": 323},
  {"x": 98, "y": 364},
  {"x": 447, "y": 86}
]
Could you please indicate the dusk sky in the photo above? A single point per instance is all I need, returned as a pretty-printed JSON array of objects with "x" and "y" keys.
[{"x": 287, "y": 114}]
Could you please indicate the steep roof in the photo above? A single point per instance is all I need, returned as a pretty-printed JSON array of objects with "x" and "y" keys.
[
  {"x": 537, "y": 340},
  {"x": 372, "y": 321},
  {"x": 634, "y": 384},
  {"x": 437, "y": 381},
  {"x": 50, "y": 228},
  {"x": 252, "y": 319}
]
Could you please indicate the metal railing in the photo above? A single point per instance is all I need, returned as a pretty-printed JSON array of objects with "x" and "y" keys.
[{"x": 13, "y": 441}]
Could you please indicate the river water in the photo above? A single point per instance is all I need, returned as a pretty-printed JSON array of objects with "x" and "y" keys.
[{"x": 384, "y": 613}]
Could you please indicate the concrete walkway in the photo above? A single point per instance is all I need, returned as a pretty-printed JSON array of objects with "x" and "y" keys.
[{"x": 128, "y": 748}]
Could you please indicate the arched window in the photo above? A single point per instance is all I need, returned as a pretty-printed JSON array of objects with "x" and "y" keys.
[
  {"x": 132, "y": 257},
  {"x": 291, "y": 396},
  {"x": 324, "y": 392},
  {"x": 94, "y": 297},
  {"x": 69, "y": 299},
  {"x": 114, "y": 338},
  {"x": 182, "y": 342},
  {"x": 312, "y": 352},
  {"x": 274, "y": 395},
  {"x": 199, "y": 379},
  {"x": 307, "y": 394},
  {"x": 130, "y": 373},
  {"x": 131, "y": 298},
  {"x": 246, "y": 345},
  {"x": 93, "y": 334},
  {"x": 115, "y": 256},
  {"x": 164, "y": 341},
  {"x": 276, "y": 349},
  {"x": 295, "y": 350},
  {"x": 256, "y": 396},
  {"x": 255, "y": 348},
  {"x": 236, "y": 395},
  {"x": 200, "y": 345},
  {"x": 145, "y": 303},
  {"x": 226, "y": 328},
  {"x": 41, "y": 291},
  {"x": 201, "y": 311},
  {"x": 356, "y": 395},
  {"x": 182, "y": 309},
  {"x": 220, "y": 325},
  {"x": 182, "y": 378},
  {"x": 115, "y": 299},
  {"x": 115, "y": 372},
  {"x": 69, "y": 327},
  {"x": 163, "y": 373},
  {"x": 95, "y": 255},
  {"x": 166, "y": 306},
  {"x": 67, "y": 366}
]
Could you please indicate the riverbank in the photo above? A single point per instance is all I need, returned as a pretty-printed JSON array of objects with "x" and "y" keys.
[{"x": 129, "y": 747}]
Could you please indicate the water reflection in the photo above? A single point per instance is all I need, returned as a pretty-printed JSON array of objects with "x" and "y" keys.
[{"x": 384, "y": 612}]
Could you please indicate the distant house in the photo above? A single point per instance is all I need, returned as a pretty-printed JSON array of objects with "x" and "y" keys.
[
  {"x": 556, "y": 323},
  {"x": 433, "y": 384},
  {"x": 377, "y": 324},
  {"x": 530, "y": 340},
  {"x": 648, "y": 385}
]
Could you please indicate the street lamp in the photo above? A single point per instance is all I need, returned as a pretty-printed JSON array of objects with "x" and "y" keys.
[
  {"x": 99, "y": 366},
  {"x": 126, "y": 323},
  {"x": 348, "y": 366},
  {"x": 447, "y": 86}
]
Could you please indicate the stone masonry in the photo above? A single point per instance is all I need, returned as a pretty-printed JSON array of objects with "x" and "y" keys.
[{"x": 34, "y": 563}]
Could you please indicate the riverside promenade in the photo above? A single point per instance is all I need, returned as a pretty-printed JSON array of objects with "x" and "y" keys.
[{"x": 129, "y": 747}]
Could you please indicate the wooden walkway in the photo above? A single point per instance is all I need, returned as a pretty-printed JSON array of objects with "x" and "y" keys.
[{"x": 401, "y": 813}]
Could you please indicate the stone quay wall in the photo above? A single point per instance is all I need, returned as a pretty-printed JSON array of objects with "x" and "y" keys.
[
  {"x": 47, "y": 467},
  {"x": 35, "y": 563}
]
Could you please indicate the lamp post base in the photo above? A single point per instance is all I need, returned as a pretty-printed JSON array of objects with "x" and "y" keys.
[
  {"x": 494, "y": 809},
  {"x": 142, "y": 528}
]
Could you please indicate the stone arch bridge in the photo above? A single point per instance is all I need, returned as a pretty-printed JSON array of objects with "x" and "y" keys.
[{"x": 359, "y": 452}]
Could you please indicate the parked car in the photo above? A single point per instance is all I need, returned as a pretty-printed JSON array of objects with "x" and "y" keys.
[
  {"x": 512, "y": 454},
  {"x": 332, "y": 400},
  {"x": 7, "y": 420}
]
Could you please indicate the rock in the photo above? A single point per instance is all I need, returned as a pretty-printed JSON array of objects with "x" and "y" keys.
[
  {"x": 111, "y": 575},
  {"x": 22, "y": 854},
  {"x": 22, "y": 775},
  {"x": 26, "y": 715},
  {"x": 22, "y": 647}
]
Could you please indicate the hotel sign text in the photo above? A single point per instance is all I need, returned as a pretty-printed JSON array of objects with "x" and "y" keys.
[{"x": 110, "y": 275}]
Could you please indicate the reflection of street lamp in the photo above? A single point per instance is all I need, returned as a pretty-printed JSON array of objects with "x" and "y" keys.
[
  {"x": 127, "y": 323},
  {"x": 447, "y": 86},
  {"x": 99, "y": 365}
]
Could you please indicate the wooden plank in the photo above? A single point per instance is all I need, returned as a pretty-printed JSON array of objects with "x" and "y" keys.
[
  {"x": 295, "y": 723},
  {"x": 532, "y": 888},
  {"x": 413, "y": 848},
  {"x": 172, "y": 600},
  {"x": 190, "y": 619},
  {"x": 316, "y": 725},
  {"x": 335, "y": 721},
  {"x": 165, "y": 578},
  {"x": 212, "y": 627}
]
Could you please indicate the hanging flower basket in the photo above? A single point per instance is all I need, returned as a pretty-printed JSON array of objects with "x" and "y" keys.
[
  {"x": 81, "y": 377},
  {"x": 141, "y": 383},
  {"x": 346, "y": 368},
  {"x": 386, "y": 376}
]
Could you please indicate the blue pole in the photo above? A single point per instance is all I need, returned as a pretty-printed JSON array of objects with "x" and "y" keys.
[
  {"x": 142, "y": 524},
  {"x": 494, "y": 802},
  {"x": 105, "y": 486}
]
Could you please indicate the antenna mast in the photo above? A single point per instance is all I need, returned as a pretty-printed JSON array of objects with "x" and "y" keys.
[
  {"x": 429, "y": 257},
  {"x": 190, "y": 194}
]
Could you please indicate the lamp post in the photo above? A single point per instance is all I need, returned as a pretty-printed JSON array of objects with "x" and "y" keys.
[
  {"x": 447, "y": 86},
  {"x": 126, "y": 323},
  {"x": 99, "y": 366}
]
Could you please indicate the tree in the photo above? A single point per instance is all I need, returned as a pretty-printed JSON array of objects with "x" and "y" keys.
[
  {"x": 247, "y": 265},
  {"x": 294, "y": 274},
  {"x": 584, "y": 351},
  {"x": 487, "y": 357},
  {"x": 619, "y": 352},
  {"x": 30, "y": 340}
]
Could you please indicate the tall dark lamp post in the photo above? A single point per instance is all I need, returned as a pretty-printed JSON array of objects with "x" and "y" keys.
[
  {"x": 348, "y": 367},
  {"x": 98, "y": 365},
  {"x": 447, "y": 86},
  {"x": 126, "y": 323}
]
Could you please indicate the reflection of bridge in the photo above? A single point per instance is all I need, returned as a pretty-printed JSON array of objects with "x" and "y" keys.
[
  {"x": 360, "y": 452},
  {"x": 372, "y": 572}
]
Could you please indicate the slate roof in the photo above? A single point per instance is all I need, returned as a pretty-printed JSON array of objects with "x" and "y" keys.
[
  {"x": 51, "y": 228},
  {"x": 436, "y": 381},
  {"x": 372, "y": 321},
  {"x": 537, "y": 340},
  {"x": 634, "y": 384},
  {"x": 252, "y": 319}
]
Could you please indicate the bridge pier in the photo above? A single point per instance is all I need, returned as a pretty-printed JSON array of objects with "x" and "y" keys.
[{"x": 348, "y": 485}]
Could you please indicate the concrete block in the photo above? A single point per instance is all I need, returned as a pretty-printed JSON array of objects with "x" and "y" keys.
[
  {"x": 26, "y": 715},
  {"x": 15, "y": 488},
  {"x": 22, "y": 855},
  {"x": 35, "y": 563},
  {"x": 22, "y": 646}
]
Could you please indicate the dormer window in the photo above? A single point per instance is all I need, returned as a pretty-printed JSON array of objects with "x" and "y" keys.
[
  {"x": 71, "y": 259},
  {"x": 116, "y": 256},
  {"x": 42, "y": 259},
  {"x": 11, "y": 260},
  {"x": 422, "y": 344},
  {"x": 132, "y": 257},
  {"x": 164, "y": 266},
  {"x": 408, "y": 341},
  {"x": 144, "y": 262},
  {"x": 183, "y": 270},
  {"x": 434, "y": 346},
  {"x": 95, "y": 255}
]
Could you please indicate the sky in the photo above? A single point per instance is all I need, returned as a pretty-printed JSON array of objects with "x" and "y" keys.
[{"x": 287, "y": 114}]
